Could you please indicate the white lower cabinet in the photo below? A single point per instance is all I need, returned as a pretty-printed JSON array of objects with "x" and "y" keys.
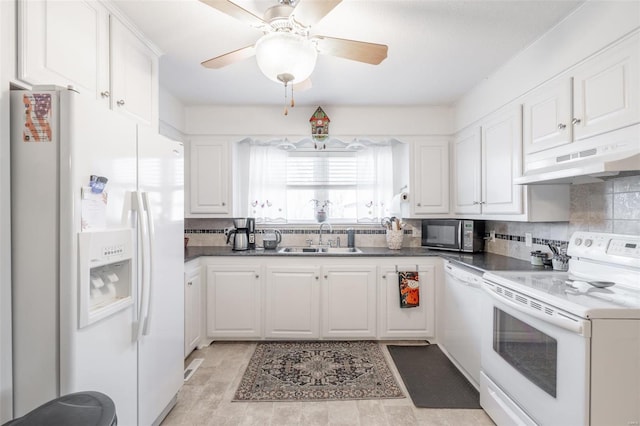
[
  {"x": 192, "y": 306},
  {"x": 234, "y": 301},
  {"x": 395, "y": 322},
  {"x": 310, "y": 298},
  {"x": 349, "y": 301},
  {"x": 292, "y": 295}
]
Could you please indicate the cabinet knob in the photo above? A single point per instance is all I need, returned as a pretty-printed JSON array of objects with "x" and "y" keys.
[
  {"x": 576, "y": 121},
  {"x": 476, "y": 202},
  {"x": 257, "y": 276},
  {"x": 224, "y": 204},
  {"x": 105, "y": 94},
  {"x": 562, "y": 126},
  {"x": 317, "y": 277},
  {"x": 419, "y": 204},
  {"x": 120, "y": 102},
  {"x": 190, "y": 283},
  {"x": 384, "y": 277},
  {"x": 326, "y": 276}
]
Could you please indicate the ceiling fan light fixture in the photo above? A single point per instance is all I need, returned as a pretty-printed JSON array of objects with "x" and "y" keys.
[{"x": 281, "y": 53}]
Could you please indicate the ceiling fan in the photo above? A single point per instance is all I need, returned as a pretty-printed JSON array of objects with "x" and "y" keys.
[{"x": 286, "y": 52}]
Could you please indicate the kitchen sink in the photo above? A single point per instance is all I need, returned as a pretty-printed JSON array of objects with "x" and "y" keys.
[{"x": 327, "y": 250}]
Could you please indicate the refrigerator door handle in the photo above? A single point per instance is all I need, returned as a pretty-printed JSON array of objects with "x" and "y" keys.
[
  {"x": 143, "y": 303},
  {"x": 151, "y": 238}
]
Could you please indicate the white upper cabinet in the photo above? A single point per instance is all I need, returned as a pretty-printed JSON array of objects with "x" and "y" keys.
[
  {"x": 64, "y": 43},
  {"x": 467, "y": 171},
  {"x": 430, "y": 177},
  {"x": 83, "y": 45},
  {"x": 502, "y": 162},
  {"x": 601, "y": 95},
  {"x": 134, "y": 74},
  {"x": 606, "y": 91},
  {"x": 547, "y": 117},
  {"x": 209, "y": 178},
  {"x": 486, "y": 159}
]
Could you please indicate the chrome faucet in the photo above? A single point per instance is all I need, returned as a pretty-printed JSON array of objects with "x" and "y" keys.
[{"x": 321, "y": 228}]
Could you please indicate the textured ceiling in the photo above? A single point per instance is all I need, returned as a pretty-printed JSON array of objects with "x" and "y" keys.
[{"x": 438, "y": 49}]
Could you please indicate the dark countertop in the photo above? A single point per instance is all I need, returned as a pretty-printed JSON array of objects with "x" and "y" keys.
[{"x": 480, "y": 261}]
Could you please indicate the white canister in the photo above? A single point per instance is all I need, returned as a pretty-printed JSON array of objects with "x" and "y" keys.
[{"x": 394, "y": 239}]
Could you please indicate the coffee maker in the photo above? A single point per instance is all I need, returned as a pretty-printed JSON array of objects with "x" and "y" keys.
[{"x": 244, "y": 237}]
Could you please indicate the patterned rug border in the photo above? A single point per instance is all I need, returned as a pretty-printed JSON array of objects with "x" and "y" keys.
[{"x": 377, "y": 382}]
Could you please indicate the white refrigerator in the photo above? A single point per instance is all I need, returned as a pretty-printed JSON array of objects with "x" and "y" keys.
[{"x": 97, "y": 256}]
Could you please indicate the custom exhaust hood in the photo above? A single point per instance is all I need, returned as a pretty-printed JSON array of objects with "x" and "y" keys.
[{"x": 594, "y": 160}]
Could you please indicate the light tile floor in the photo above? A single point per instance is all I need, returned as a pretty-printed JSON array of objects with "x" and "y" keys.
[{"x": 205, "y": 399}]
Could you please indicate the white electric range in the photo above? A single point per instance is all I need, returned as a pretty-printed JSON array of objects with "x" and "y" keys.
[{"x": 557, "y": 349}]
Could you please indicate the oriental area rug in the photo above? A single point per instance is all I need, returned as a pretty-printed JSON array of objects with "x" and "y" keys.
[{"x": 317, "y": 371}]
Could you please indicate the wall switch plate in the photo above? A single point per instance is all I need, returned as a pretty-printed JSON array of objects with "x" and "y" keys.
[
  {"x": 528, "y": 240},
  {"x": 492, "y": 235}
]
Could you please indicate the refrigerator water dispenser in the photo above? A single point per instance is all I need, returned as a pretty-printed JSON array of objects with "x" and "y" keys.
[{"x": 105, "y": 260}]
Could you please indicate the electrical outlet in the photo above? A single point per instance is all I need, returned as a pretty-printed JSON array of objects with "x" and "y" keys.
[
  {"x": 492, "y": 235},
  {"x": 528, "y": 239}
]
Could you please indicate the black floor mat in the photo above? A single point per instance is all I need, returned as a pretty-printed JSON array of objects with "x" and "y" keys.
[{"x": 431, "y": 379}]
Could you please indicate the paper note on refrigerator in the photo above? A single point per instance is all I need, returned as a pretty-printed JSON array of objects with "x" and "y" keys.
[{"x": 94, "y": 210}]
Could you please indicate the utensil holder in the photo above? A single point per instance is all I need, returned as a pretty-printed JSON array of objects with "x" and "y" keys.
[
  {"x": 394, "y": 239},
  {"x": 560, "y": 264}
]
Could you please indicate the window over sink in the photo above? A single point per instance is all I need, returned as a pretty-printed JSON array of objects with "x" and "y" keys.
[{"x": 286, "y": 182}]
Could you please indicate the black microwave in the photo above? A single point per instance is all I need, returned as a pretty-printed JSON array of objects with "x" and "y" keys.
[{"x": 453, "y": 234}]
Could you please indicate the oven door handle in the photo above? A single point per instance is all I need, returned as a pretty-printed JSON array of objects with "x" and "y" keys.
[{"x": 565, "y": 323}]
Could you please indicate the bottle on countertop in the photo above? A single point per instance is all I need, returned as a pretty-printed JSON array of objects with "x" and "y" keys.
[{"x": 351, "y": 237}]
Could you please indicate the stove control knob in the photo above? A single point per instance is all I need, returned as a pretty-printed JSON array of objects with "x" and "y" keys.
[
  {"x": 588, "y": 243},
  {"x": 578, "y": 241}
]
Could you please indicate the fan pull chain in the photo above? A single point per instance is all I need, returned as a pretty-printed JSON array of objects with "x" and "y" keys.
[
  {"x": 286, "y": 111},
  {"x": 293, "y": 103}
]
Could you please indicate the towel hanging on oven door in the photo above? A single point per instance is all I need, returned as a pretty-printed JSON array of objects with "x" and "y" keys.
[{"x": 409, "y": 284}]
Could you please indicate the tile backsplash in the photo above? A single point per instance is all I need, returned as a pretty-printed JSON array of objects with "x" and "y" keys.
[
  {"x": 609, "y": 206},
  {"x": 210, "y": 232}
]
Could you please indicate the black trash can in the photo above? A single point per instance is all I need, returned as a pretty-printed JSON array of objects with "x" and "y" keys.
[{"x": 75, "y": 409}]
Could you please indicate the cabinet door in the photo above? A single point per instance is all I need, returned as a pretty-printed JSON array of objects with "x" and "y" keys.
[
  {"x": 466, "y": 174},
  {"x": 397, "y": 322},
  {"x": 430, "y": 177},
  {"x": 547, "y": 117},
  {"x": 134, "y": 80},
  {"x": 349, "y": 301},
  {"x": 607, "y": 91},
  {"x": 501, "y": 163},
  {"x": 292, "y": 302},
  {"x": 192, "y": 311},
  {"x": 234, "y": 295},
  {"x": 64, "y": 43},
  {"x": 209, "y": 177}
]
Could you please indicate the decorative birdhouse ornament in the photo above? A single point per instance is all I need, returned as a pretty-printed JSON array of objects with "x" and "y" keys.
[{"x": 319, "y": 127}]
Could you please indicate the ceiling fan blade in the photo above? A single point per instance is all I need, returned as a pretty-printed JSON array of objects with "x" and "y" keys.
[
  {"x": 370, "y": 53},
  {"x": 230, "y": 58},
  {"x": 232, "y": 9},
  {"x": 310, "y": 12},
  {"x": 303, "y": 85}
]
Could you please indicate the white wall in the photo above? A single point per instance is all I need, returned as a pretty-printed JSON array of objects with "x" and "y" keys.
[
  {"x": 171, "y": 112},
  {"x": 345, "y": 120},
  {"x": 590, "y": 28},
  {"x": 7, "y": 72}
]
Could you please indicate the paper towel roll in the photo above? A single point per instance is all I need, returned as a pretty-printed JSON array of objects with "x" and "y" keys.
[{"x": 394, "y": 207}]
